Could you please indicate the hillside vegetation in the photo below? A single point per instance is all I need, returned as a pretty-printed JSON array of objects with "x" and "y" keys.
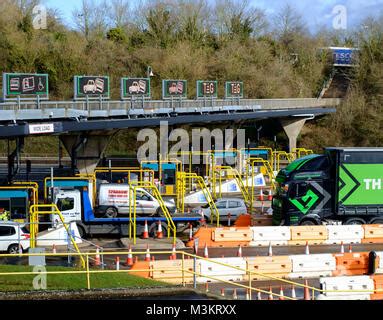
[{"x": 224, "y": 40}]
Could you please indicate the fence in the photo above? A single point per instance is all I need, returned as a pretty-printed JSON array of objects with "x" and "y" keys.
[{"x": 88, "y": 272}]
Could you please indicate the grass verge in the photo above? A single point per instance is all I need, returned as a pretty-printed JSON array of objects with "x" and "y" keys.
[{"x": 71, "y": 281}]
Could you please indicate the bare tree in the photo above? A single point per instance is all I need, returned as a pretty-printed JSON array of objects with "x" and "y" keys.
[
  {"x": 288, "y": 24},
  {"x": 119, "y": 12},
  {"x": 92, "y": 19}
]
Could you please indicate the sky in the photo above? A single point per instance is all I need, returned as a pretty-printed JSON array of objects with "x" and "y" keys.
[{"x": 317, "y": 13}]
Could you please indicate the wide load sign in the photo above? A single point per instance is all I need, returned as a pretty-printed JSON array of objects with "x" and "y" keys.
[{"x": 25, "y": 86}]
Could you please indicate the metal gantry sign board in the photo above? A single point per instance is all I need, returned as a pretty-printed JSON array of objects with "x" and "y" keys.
[
  {"x": 207, "y": 89},
  {"x": 135, "y": 87},
  {"x": 174, "y": 88},
  {"x": 25, "y": 86},
  {"x": 234, "y": 89},
  {"x": 91, "y": 87}
]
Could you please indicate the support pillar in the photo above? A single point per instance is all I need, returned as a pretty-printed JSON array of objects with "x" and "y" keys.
[
  {"x": 85, "y": 149},
  {"x": 292, "y": 128}
]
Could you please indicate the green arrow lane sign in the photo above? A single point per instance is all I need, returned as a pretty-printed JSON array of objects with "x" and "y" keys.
[
  {"x": 361, "y": 184},
  {"x": 308, "y": 200}
]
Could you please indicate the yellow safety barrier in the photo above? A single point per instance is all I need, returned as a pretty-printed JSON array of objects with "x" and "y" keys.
[
  {"x": 183, "y": 176},
  {"x": 91, "y": 177},
  {"x": 37, "y": 209},
  {"x": 300, "y": 152},
  {"x": 184, "y": 271},
  {"x": 133, "y": 208},
  {"x": 25, "y": 186},
  {"x": 236, "y": 175},
  {"x": 277, "y": 155},
  {"x": 159, "y": 163},
  {"x": 141, "y": 172}
]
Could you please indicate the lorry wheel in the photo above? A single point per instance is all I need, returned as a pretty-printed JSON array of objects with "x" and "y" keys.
[
  {"x": 111, "y": 212},
  {"x": 354, "y": 221},
  {"x": 153, "y": 230}
]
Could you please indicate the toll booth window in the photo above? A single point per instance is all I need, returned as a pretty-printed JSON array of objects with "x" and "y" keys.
[
  {"x": 5, "y": 205},
  {"x": 317, "y": 164},
  {"x": 65, "y": 204},
  {"x": 18, "y": 208},
  {"x": 169, "y": 177},
  {"x": 7, "y": 231}
]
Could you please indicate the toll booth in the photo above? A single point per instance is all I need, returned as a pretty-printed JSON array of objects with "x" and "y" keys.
[
  {"x": 165, "y": 174},
  {"x": 16, "y": 202}
]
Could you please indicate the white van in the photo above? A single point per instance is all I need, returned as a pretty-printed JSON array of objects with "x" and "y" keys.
[{"x": 114, "y": 198}]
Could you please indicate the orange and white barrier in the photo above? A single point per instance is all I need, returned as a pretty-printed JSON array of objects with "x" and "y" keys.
[
  {"x": 346, "y": 288},
  {"x": 344, "y": 233},
  {"x": 220, "y": 271},
  {"x": 285, "y": 235},
  {"x": 266, "y": 235},
  {"x": 312, "y": 265}
]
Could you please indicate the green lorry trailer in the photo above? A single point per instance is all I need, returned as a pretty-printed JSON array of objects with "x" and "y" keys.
[{"x": 343, "y": 185}]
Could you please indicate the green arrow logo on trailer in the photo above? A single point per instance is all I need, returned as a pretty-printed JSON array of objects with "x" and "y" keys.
[
  {"x": 308, "y": 200},
  {"x": 347, "y": 184}
]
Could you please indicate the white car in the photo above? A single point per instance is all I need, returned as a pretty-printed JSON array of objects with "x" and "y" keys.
[
  {"x": 225, "y": 206},
  {"x": 11, "y": 234}
]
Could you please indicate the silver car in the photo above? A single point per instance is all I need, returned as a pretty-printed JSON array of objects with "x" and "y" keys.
[{"x": 234, "y": 206}]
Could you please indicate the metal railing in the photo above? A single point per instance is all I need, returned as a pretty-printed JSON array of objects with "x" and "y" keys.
[
  {"x": 88, "y": 272},
  {"x": 105, "y": 108}
]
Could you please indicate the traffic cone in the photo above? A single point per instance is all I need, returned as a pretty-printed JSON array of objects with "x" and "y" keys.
[
  {"x": 129, "y": 260},
  {"x": 261, "y": 197},
  {"x": 270, "y": 250},
  {"x": 281, "y": 293},
  {"x": 54, "y": 249},
  {"x": 307, "y": 250},
  {"x": 341, "y": 247},
  {"x": 117, "y": 263},
  {"x": 222, "y": 292},
  {"x": 147, "y": 255},
  {"x": 235, "y": 297},
  {"x": 350, "y": 248},
  {"x": 259, "y": 296},
  {"x": 293, "y": 294},
  {"x": 271, "y": 294},
  {"x": 306, "y": 292},
  {"x": 239, "y": 254},
  {"x": 145, "y": 235},
  {"x": 160, "y": 235},
  {"x": 206, "y": 253},
  {"x": 174, "y": 255},
  {"x": 190, "y": 232},
  {"x": 97, "y": 258},
  {"x": 270, "y": 195}
]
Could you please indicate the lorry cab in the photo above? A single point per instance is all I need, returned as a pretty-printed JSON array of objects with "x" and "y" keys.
[
  {"x": 304, "y": 190},
  {"x": 69, "y": 204}
]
